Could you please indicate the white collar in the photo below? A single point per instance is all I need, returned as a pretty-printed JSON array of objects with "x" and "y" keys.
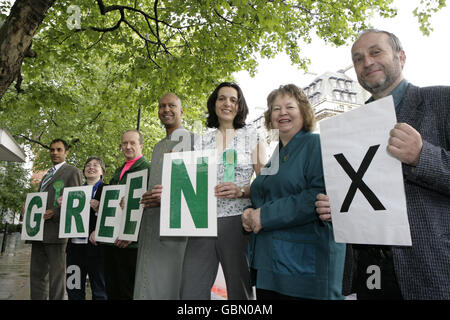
[{"x": 59, "y": 165}]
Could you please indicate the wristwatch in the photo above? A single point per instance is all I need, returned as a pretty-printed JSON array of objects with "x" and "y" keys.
[{"x": 243, "y": 192}]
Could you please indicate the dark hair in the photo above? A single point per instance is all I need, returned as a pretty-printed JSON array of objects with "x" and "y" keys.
[
  {"x": 239, "y": 121},
  {"x": 309, "y": 120},
  {"x": 66, "y": 146},
  {"x": 100, "y": 162}
]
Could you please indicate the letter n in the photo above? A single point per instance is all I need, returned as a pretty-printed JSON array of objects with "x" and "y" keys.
[{"x": 197, "y": 201}]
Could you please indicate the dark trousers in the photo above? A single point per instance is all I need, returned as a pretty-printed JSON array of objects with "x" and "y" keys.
[
  {"x": 47, "y": 271},
  {"x": 202, "y": 258},
  {"x": 370, "y": 261},
  {"x": 120, "y": 270},
  {"x": 82, "y": 260}
]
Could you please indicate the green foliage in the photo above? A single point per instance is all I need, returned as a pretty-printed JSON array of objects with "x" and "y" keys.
[
  {"x": 14, "y": 186},
  {"x": 88, "y": 81},
  {"x": 12, "y": 228},
  {"x": 425, "y": 11}
]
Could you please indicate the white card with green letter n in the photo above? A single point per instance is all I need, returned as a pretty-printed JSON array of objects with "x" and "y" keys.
[{"x": 188, "y": 203}]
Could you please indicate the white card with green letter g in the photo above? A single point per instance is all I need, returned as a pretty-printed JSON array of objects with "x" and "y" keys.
[
  {"x": 188, "y": 203},
  {"x": 33, "y": 220}
]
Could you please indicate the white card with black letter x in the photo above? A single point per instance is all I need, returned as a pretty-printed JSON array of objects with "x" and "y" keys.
[{"x": 363, "y": 181}]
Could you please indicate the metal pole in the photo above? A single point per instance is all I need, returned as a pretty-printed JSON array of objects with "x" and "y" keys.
[
  {"x": 138, "y": 119},
  {"x": 5, "y": 235}
]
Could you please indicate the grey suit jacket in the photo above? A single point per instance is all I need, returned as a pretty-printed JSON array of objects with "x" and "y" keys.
[
  {"x": 423, "y": 270},
  {"x": 66, "y": 176}
]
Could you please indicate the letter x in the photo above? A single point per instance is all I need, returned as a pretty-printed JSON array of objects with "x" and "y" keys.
[{"x": 357, "y": 182}]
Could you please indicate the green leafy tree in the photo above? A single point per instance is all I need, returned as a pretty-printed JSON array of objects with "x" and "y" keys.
[
  {"x": 14, "y": 186},
  {"x": 93, "y": 64}
]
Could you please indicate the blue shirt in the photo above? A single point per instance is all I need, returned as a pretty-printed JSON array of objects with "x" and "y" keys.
[{"x": 397, "y": 94}]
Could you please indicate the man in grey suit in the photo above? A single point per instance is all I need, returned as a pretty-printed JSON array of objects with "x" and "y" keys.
[
  {"x": 421, "y": 141},
  {"x": 160, "y": 259},
  {"x": 48, "y": 258}
]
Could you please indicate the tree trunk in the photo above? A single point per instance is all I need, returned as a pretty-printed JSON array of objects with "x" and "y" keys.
[{"x": 16, "y": 35}]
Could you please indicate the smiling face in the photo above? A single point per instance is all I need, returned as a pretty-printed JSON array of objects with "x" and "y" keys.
[
  {"x": 58, "y": 152},
  {"x": 226, "y": 104},
  {"x": 170, "y": 111},
  {"x": 377, "y": 66},
  {"x": 93, "y": 170},
  {"x": 286, "y": 116},
  {"x": 131, "y": 146}
]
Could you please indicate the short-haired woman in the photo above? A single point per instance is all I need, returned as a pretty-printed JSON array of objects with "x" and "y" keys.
[
  {"x": 292, "y": 253},
  {"x": 86, "y": 258}
]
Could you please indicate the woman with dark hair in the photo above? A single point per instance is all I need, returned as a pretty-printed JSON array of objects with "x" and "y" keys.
[
  {"x": 212, "y": 121},
  {"x": 83, "y": 257},
  {"x": 240, "y": 154},
  {"x": 292, "y": 253}
]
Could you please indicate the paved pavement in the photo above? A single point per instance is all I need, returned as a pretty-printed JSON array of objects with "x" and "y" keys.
[
  {"x": 15, "y": 269},
  {"x": 15, "y": 272}
]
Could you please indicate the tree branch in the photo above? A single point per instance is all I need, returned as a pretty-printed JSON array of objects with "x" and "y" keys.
[
  {"x": 230, "y": 21},
  {"x": 95, "y": 118},
  {"x": 19, "y": 81},
  {"x": 54, "y": 122},
  {"x": 149, "y": 56},
  {"x": 99, "y": 39},
  {"x": 31, "y": 140}
]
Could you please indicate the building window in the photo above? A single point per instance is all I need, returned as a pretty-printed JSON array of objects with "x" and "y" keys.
[
  {"x": 333, "y": 82},
  {"x": 349, "y": 85},
  {"x": 318, "y": 84},
  {"x": 336, "y": 95},
  {"x": 306, "y": 91}
]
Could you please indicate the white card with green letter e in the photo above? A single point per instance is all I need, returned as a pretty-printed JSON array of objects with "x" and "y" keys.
[
  {"x": 109, "y": 213},
  {"x": 33, "y": 220},
  {"x": 132, "y": 211},
  {"x": 188, "y": 203},
  {"x": 75, "y": 209}
]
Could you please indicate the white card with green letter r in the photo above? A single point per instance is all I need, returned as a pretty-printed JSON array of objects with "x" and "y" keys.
[
  {"x": 75, "y": 210},
  {"x": 188, "y": 203}
]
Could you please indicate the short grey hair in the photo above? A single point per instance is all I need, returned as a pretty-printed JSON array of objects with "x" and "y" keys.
[
  {"x": 141, "y": 138},
  {"x": 393, "y": 40}
]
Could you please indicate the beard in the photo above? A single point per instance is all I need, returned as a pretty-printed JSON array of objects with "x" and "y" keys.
[{"x": 392, "y": 72}]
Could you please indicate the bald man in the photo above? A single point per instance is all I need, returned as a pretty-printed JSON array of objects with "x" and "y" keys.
[
  {"x": 160, "y": 259},
  {"x": 420, "y": 140}
]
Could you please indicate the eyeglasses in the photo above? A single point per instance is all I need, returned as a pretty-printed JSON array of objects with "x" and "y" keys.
[{"x": 94, "y": 165}]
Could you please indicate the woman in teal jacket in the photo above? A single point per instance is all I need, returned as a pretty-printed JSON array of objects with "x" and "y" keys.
[{"x": 292, "y": 253}]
